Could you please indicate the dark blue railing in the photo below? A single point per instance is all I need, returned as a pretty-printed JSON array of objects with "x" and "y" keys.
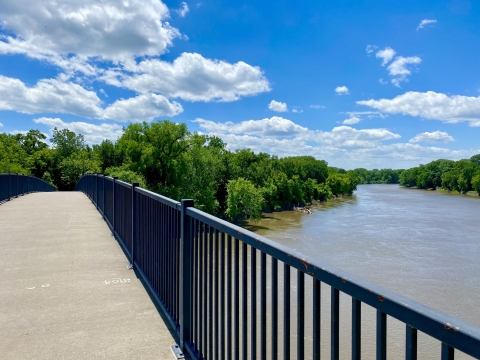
[
  {"x": 14, "y": 185},
  {"x": 210, "y": 277}
]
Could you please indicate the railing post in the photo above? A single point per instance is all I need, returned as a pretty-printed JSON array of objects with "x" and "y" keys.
[
  {"x": 113, "y": 216},
  {"x": 134, "y": 223},
  {"x": 16, "y": 178},
  {"x": 186, "y": 261},
  {"x": 8, "y": 186},
  {"x": 103, "y": 212},
  {"x": 96, "y": 190}
]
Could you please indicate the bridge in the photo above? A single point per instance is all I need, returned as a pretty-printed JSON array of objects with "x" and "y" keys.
[{"x": 215, "y": 289}]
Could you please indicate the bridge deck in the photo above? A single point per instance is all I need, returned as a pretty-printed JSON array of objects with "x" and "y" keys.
[{"x": 60, "y": 293}]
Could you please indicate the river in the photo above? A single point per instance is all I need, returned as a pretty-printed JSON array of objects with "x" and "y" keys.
[{"x": 424, "y": 245}]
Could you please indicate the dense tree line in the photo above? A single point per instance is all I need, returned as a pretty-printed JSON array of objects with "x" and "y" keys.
[
  {"x": 167, "y": 158},
  {"x": 455, "y": 176},
  {"x": 376, "y": 176}
]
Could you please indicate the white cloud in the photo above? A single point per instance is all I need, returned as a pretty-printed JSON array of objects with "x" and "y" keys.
[
  {"x": 342, "y": 90},
  {"x": 1, "y": 125},
  {"x": 297, "y": 110},
  {"x": 383, "y": 82},
  {"x": 371, "y": 48},
  {"x": 275, "y": 126},
  {"x": 386, "y": 55},
  {"x": 431, "y": 105},
  {"x": 399, "y": 68},
  {"x": 191, "y": 77},
  {"x": 432, "y": 137},
  {"x": 278, "y": 106},
  {"x": 57, "y": 96},
  {"x": 183, "y": 10},
  {"x": 109, "y": 29},
  {"x": 425, "y": 22},
  {"x": 351, "y": 120},
  {"x": 144, "y": 107},
  {"x": 317, "y": 106},
  {"x": 93, "y": 133},
  {"x": 343, "y": 146},
  {"x": 103, "y": 93}
]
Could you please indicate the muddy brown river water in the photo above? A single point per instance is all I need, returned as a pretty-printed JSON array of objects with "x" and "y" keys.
[{"x": 424, "y": 245}]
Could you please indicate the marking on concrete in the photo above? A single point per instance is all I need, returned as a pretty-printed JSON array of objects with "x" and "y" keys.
[
  {"x": 31, "y": 288},
  {"x": 45, "y": 285},
  {"x": 116, "y": 281}
]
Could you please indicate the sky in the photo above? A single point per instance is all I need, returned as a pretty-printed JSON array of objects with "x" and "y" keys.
[{"x": 374, "y": 84}]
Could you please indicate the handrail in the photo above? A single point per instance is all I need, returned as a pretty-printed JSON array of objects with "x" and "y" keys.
[
  {"x": 15, "y": 185},
  {"x": 187, "y": 261}
]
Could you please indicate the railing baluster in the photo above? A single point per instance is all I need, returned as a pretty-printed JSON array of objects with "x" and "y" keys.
[
  {"x": 356, "y": 329},
  {"x": 411, "y": 343},
  {"x": 210, "y": 292},
  {"x": 236, "y": 351},
  {"x": 253, "y": 291},
  {"x": 222, "y": 296},
  {"x": 286, "y": 311},
  {"x": 244, "y": 302},
  {"x": 448, "y": 352},
  {"x": 201, "y": 287},
  {"x": 300, "y": 314},
  {"x": 263, "y": 310},
  {"x": 316, "y": 318},
  {"x": 274, "y": 309},
  {"x": 335, "y": 322},
  {"x": 229, "y": 297},
  {"x": 205, "y": 293},
  {"x": 381, "y": 335},
  {"x": 217, "y": 302}
]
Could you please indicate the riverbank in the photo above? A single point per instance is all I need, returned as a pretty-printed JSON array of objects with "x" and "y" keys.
[{"x": 445, "y": 191}]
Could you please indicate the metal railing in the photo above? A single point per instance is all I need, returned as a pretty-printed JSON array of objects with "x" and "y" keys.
[
  {"x": 14, "y": 185},
  {"x": 217, "y": 282}
]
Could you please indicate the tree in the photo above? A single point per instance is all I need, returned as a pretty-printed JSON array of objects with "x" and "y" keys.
[
  {"x": 73, "y": 167},
  {"x": 105, "y": 154},
  {"x": 66, "y": 142},
  {"x": 32, "y": 141},
  {"x": 476, "y": 182},
  {"x": 476, "y": 159},
  {"x": 243, "y": 200}
]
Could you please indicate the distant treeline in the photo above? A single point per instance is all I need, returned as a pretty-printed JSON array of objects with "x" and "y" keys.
[
  {"x": 376, "y": 176},
  {"x": 456, "y": 176},
  {"x": 168, "y": 159}
]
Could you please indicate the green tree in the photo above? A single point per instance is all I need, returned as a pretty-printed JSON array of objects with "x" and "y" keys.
[
  {"x": 243, "y": 200},
  {"x": 66, "y": 142},
  {"x": 476, "y": 182},
  {"x": 73, "y": 167},
  {"x": 32, "y": 141}
]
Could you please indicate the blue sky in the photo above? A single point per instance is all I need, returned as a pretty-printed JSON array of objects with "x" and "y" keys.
[{"x": 357, "y": 83}]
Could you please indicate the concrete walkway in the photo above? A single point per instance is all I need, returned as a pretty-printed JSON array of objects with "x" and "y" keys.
[{"x": 65, "y": 291}]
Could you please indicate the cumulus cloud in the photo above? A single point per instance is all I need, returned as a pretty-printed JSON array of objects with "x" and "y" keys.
[
  {"x": 108, "y": 29},
  {"x": 342, "y": 90},
  {"x": 57, "y": 96},
  {"x": 297, "y": 110},
  {"x": 1, "y": 125},
  {"x": 386, "y": 55},
  {"x": 371, "y": 48},
  {"x": 351, "y": 120},
  {"x": 278, "y": 106},
  {"x": 191, "y": 77},
  {"x": 431, "y": 105},
  {"x": 93, "y": 133},
  {"x": 432, "y": 137},
  {"x": 343, "y": 146},
  {"x": 183, "y": 9},
  {"x": 317, "y": 106},
  {"x": 425, "y": 22},
  {"x": 399, "y": 68}
]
